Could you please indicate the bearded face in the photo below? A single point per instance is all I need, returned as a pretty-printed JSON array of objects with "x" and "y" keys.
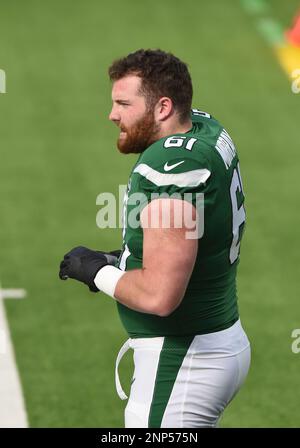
[
  {"x": 141, "y": 134},
  {"x": 134, "y": 116}
]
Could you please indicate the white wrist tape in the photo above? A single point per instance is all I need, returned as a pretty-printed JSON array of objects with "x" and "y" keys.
[{"x": 107, "y": 278}]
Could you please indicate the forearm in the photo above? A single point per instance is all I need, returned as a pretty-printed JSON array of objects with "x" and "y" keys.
[
  {"x": 136, "y": 289},
  {"x": 143, "y": 290}
]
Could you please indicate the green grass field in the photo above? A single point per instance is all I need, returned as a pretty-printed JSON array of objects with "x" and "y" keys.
[{"x": 58, "y": 153}]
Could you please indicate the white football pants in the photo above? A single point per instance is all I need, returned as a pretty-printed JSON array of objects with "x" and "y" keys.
[{"x": 184, "y": 382}]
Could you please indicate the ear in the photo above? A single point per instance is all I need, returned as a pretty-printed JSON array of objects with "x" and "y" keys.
[{"x": 164, "y": 108}]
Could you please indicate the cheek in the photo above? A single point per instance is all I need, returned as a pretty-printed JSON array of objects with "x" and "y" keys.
[
  {"x": 131, "y": 116},
  {"x": 125, "y": 118},
  {"x": 128, "y": 121}
]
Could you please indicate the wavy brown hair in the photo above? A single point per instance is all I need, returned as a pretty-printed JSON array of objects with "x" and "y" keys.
[{"x": 162, "y": 74}]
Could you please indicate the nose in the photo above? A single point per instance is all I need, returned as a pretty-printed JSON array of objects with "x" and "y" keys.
[{"x": 114, "y": 115}]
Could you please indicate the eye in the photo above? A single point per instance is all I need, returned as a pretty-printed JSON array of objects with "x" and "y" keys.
[{"x": 123, "y": 103}]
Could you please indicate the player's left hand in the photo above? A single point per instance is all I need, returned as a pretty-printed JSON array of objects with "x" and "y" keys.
[{"x": 82, "y": 264}]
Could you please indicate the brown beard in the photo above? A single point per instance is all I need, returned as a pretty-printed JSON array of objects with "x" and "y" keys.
[{"x": 141, "y": 135}]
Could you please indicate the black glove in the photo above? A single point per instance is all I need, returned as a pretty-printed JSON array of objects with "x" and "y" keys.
[
  {"x": 112, "y": 257},
  {"x": 82, "y": 264}
]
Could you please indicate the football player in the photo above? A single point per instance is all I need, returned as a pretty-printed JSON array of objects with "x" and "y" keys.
[{"x": 174, "y": 281}]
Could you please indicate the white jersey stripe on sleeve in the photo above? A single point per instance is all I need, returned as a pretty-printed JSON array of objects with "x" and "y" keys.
[{"x": 188, "y": 179}]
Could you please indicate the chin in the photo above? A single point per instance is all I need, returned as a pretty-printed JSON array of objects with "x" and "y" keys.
[{"x": 129, "y": 148}]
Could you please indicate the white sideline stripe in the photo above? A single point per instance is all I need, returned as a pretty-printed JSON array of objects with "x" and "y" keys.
[
  {"x": 12, "y": 407},
  {"x": 13, "y": 293},
  {"x": 188, "y": 179}
]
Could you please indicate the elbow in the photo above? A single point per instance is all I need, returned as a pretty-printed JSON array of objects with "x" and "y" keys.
[
  {"x": 165, "y": 306},
  {"x": 165, "y": 312}
]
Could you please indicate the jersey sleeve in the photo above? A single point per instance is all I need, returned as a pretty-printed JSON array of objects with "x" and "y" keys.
[{"x": 172, "y": 173}]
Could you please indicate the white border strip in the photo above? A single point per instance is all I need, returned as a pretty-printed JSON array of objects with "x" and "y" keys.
[{"x": 12, "y": 407}]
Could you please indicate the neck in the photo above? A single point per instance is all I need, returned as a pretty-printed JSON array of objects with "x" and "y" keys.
[{"x": 174, "y": 127}]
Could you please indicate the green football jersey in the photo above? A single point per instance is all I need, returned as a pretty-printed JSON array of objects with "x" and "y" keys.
[{"x": 201, "y": 163}]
